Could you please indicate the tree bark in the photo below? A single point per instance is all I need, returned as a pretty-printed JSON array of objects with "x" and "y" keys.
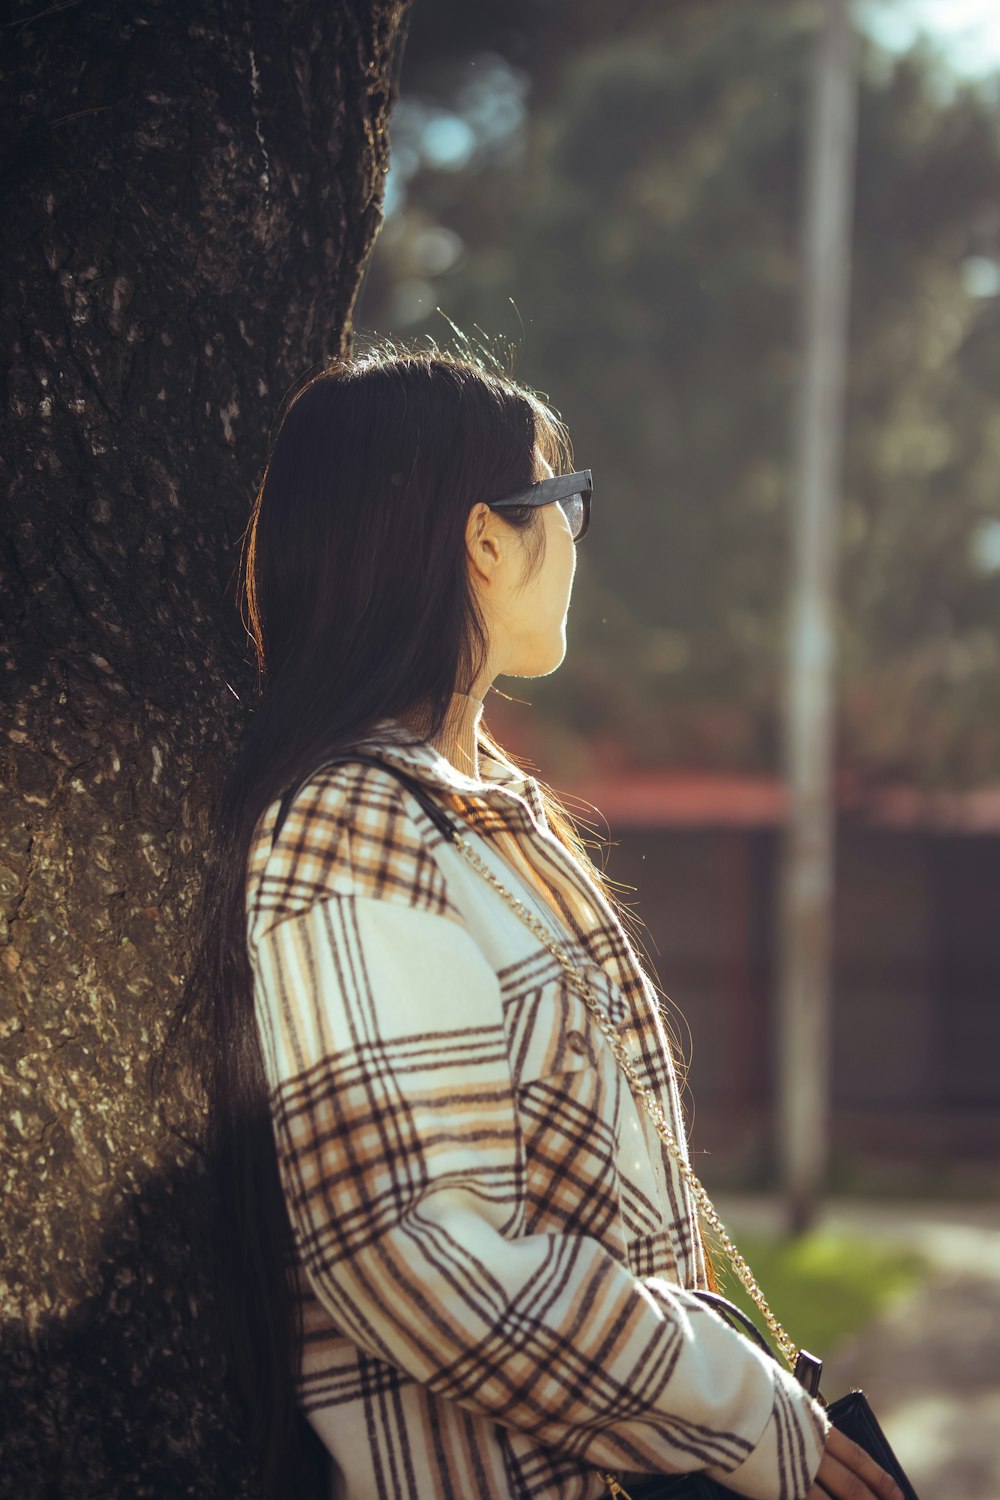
[{"x": 191, "y": 195}]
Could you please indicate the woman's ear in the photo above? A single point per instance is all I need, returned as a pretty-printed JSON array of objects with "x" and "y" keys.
[{"x": 485, "y": 541}]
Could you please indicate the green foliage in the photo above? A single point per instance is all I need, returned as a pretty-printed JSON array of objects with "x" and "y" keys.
[
  {"x": 823, "y": 1287},
  {"x": 648, "y": 234}
]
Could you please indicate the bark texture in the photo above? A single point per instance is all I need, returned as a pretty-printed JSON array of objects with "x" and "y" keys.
[{"x": 191, "y": 194}]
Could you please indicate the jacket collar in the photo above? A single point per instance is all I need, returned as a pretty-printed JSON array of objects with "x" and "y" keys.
[
  {"x": 502, "y": 798},
  {"x": 507, "y": 799}
]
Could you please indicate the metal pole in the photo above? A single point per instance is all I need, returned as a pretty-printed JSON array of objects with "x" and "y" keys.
[{"x": 806, "y": 888}]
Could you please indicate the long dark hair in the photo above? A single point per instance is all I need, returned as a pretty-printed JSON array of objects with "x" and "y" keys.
[{"x": 359, "y": 605}]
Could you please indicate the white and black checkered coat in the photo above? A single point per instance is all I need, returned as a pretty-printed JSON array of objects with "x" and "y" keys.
[{"x": 495, "y": 1252}]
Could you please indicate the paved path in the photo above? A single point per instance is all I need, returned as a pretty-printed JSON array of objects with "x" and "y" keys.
[{"x": 930, "y": 1365}]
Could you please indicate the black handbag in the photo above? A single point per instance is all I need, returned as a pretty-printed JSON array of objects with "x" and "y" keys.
[{"x": 851, "y": 1414}]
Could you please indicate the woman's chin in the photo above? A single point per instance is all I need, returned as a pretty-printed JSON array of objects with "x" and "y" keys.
[{"x": 540, "y": 663}]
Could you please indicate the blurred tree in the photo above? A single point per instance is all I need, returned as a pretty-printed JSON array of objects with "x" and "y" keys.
[
  {"x": 190, "y": 195},
  {"x": 645, "y": 222}
]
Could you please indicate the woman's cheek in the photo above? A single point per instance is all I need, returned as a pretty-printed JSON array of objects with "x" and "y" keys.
[{"x": 571, "y": 574}]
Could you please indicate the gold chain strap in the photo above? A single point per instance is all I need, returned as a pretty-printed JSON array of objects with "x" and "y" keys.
[{"x": 644, "y": 1095}]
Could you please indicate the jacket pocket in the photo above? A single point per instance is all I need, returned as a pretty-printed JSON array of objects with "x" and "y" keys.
[
  {"x": 550, "y": 1032},
  {"x": 568, "y": 1099}
]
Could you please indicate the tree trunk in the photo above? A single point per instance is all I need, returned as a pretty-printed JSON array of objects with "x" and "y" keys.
[{"x": 191, "y": 196}]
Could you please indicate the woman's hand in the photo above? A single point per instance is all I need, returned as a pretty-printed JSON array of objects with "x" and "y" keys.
[{"x": 847, "y": 1472}]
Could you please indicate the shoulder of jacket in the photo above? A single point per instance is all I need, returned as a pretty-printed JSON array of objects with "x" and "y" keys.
[{"x": 350, "y": 831}]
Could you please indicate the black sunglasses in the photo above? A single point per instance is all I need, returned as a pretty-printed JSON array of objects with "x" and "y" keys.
[{"x": 573, "y": 491}]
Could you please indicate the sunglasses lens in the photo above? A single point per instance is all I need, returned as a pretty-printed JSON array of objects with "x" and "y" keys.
[{"x": 575, "y": 512}]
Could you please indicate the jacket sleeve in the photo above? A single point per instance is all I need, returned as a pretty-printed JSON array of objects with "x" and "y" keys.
[{"x": 402, "y": 1165}]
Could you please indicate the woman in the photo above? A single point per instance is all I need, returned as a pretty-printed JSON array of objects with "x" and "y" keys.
[{"x": 418, "y": 1126}]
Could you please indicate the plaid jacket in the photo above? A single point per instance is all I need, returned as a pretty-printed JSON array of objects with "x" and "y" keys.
[{"x": 493, "y": 1250}]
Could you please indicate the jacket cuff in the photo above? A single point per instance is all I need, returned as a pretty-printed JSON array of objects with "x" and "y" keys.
[{"x": 792, "y": 1443}]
